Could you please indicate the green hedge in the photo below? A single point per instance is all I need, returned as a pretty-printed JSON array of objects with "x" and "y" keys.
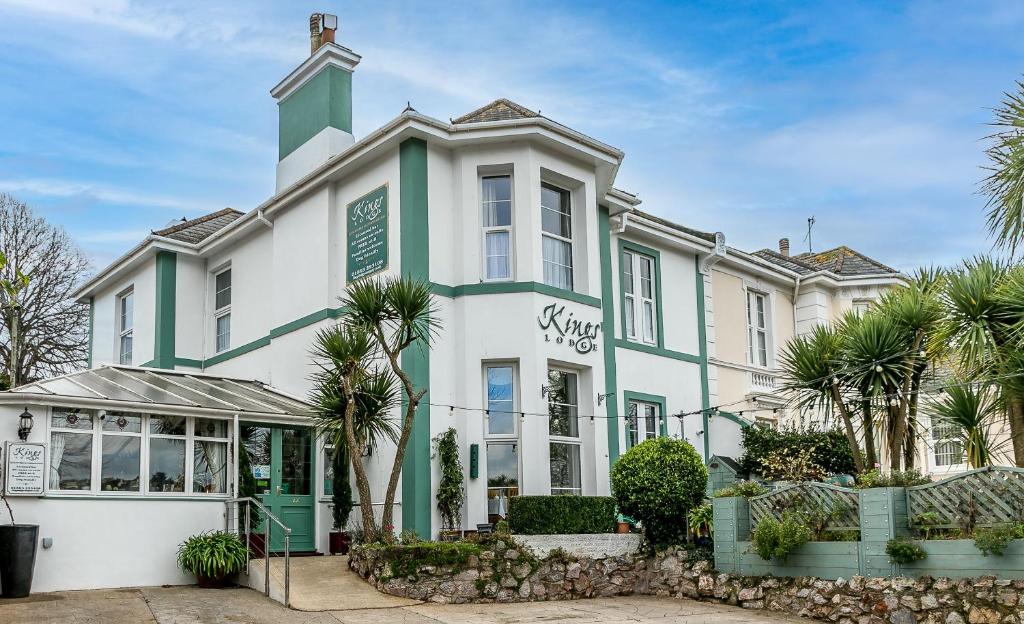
[{"x": 561, "y": 515}]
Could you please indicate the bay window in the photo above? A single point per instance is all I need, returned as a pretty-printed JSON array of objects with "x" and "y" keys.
[
  {"x": 757, "y": 328},
  {"x": 497, "y": 227},
  {"x": 222, "y": 310},
  {"x": 125, "y": 325},
  {"x": 123, "y": 452},
  {"x": 564, "y": 433},
  {"x": 501, "y": 431},
  {"x": 556, "y": 230}
]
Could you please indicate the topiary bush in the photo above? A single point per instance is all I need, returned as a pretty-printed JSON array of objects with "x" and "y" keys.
[
  {"x": 561, "y": 515},
  {"x": 657, "y": 483}
]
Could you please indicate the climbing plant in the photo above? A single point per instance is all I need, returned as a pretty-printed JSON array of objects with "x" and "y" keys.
[{"x": 450, "y": 494}]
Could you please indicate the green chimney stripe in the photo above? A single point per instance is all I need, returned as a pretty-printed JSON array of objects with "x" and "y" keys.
[
  {"x": 415, "y": 262},
  {"x": 324, "y": 100},
  {"x": 166, "y": 296},
  {"x": 608, "y": 325}
]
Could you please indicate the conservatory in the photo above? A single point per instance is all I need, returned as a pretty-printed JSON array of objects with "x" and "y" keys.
[{"x": 134, "y": 460}]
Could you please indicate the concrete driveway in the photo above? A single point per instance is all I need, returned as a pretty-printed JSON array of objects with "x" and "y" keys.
[{"x": 189, "y": 605}]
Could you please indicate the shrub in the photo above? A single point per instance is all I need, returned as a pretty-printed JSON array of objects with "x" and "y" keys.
[
  {"x": 450, "y": 495},
  {"x": 897, "y": 478},
  {"x": 904, "y": 551},
  {"x": 771, "y": 452},
  {"x": 214, "y": 555},
  {"x": 406, "y": 559},
  {"x": 657, "y": 483},
  {"x": 774, "y": 539},
  {"x": 746, "y": 489},
  {"x": 561, "y": 515},
  {"x": 993, "y": 541},
  {"x": 341, "y": 488},
  {"x": 702, "y": 519}
]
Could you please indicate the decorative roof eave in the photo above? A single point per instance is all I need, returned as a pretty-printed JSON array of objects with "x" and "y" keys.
[
  {"x": 130, "y": 259},
  {"x": 638, "y": 222}
]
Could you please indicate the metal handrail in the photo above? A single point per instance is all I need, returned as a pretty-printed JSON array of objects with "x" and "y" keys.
[{"x": 266, "y": 541}]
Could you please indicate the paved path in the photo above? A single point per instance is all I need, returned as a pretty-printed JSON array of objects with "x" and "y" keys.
[
  {"x": 326, "y": 584},
  {"x": 191, "y": 605}
]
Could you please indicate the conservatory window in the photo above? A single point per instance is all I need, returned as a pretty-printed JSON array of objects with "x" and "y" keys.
[
  {"x": 125, "y": 325},
  {"x": 497, "y": 227},
  {"x": 121, "y": 452},
  {"x": 71, "y": 437},
  {"x": 210, "y": 456},
  {"x": 556, "y": 226},
  {"x": 222, "y": 310},
  {"x": 166, "y": 454},
  {"x": 563, "y": 429}
]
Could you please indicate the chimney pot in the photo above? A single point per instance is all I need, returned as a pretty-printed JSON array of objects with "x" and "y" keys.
[
  {"x": 784, "y": 246},
  {"x": 314, "y": 33}
]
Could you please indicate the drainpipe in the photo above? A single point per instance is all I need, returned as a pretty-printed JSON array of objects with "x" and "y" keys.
[
  {"x": 796, "y": 294},
  {"x": 264, "y": 220}
]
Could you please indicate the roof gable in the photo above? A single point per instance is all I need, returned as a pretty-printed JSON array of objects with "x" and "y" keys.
[
  {"x": 199, "y": 229},
  {"x": 498, "y": 110},
  {"x": 845, "y": 261}
]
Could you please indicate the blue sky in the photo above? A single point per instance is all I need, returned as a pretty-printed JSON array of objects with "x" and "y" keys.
[{"x": 118, "y": 116}]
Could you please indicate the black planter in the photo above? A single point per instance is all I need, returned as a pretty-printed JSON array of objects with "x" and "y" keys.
[{"x": 17, "y": 558}]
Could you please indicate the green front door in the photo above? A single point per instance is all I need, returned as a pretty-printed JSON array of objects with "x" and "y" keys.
[{"x": 282, "y": 461}]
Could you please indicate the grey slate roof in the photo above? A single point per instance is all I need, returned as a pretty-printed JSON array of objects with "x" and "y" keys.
[
  {"x": 840, "y": 260},
  {"x": 498, "y": 110},
  {"x": 155, "y": 388},
  {"x": 675, "y": 226},
  {"x": 199, "y": 229}
]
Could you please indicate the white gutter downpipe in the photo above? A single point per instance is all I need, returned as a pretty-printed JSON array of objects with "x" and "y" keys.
[{"x": 796, "y": 295}]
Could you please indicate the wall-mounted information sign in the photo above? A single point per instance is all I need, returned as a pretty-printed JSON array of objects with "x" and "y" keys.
[
  {"x": 367, "y": 234},
  {"x": 24, "y": 466}
]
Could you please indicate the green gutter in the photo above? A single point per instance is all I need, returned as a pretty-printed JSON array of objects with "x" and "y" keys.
[
  {"x": 611, "y": 399},
  {"x": 702, "y": 339},
  {"x": 166, "y": 294},
  {"x": 415, "y": 262}
]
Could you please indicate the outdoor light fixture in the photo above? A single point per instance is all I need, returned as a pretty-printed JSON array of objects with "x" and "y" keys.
[
  {"x": 602, "y": 397},
  {"x": 25, "y": 425}
]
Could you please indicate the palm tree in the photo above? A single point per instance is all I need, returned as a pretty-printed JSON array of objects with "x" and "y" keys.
[
  {"x": 352, "y": 401},
  {"x": 971, "y": 412},
  {"x": 1005, "y": 182},
  {"x": 809, "y": 365}
]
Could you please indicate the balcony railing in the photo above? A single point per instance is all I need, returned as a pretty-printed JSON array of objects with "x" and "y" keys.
[{"x": 762, "y": 381}]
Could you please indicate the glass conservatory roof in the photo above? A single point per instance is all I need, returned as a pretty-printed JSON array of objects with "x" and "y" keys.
[{"x": 152, "y": 388}]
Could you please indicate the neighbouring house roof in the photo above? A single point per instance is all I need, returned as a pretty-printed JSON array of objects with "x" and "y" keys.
[
  {"x": 498, "y": 110},
  {"x": 675, "y": 226},
  {"x": 841, "y": 261},
  {"x": 199, "y": 229},
  {"x": 152, "y": 389}
]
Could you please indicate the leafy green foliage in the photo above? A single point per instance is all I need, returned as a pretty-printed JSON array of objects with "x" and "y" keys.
[
  {"x": 747, "y": 489},
  {"x": 925, "y": 522},
  {"x": 898, "y": 478},
  {"x": 405, "y": 560},
  {"x": 214, "y": 555},
  {"x": 994, "y": 540},
  {"x": 561, "y": 515},
  {"x": 971, "y": 413},
  {"x": 450, "y": 494},
  {"x": 777, "y": 539},
  {"x": 818, "y": 516},
  {"x": 341, "y": 497},
  {"x": 1004, "y": 185},
  {"x": 702, "y": 519},
  {"x": 904, "y": 551},
  {"x": 657, "y": 483},
  {"x": 247, "y": 485},
  {"x": 765, "y": 448}
]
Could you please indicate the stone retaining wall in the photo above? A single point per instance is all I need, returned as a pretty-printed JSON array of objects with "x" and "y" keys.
[{"x": 507, "y": 572}]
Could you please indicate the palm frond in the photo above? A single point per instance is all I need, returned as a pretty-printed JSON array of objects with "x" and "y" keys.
[{"x": 1004, "y": 184}]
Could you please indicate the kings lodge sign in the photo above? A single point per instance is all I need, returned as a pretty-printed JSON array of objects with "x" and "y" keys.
[{"x": 562, "y": 327}]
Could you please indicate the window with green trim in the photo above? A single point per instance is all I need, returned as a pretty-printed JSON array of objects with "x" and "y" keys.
[
  {"x": 644, "y": 422},
  {"x": 640, "y": 305}
]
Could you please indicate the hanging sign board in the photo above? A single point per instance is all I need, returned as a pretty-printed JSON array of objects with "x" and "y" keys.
[
  {"x": 367, "y": 228},
  {"x": 24, "y": 467}
]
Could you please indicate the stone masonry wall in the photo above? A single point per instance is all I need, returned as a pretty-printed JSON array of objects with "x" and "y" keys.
[{"x": 507, "y": 572}]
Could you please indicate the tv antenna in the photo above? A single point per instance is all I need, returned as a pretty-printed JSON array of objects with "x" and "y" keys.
[{"x": 810, "y": 226}]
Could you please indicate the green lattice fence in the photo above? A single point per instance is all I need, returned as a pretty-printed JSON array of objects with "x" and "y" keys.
[
  {"x": 983, "y": 497},
  {"x": 824, "y": 496}
]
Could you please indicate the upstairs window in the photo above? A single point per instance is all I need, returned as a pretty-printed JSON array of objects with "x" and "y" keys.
[
  {"x": 125, "y": 325},
  {"x": 222, "y": 310},
  {"x": 497, "y": 227},
  {"x": 640, "y": 305},
  {"x": 556, "y": 227},
  {"x": 757, "y": 328},
  {"x": 947, "y": 447},
  {"x": 861, "y": 306}
]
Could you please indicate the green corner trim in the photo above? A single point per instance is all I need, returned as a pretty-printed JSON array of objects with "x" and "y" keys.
[
  {"x": 500, "y": 288},
  {"x": 608, "y": 321},
  {"x": 415, "y": 262},
  {"x": 702, "y": 340},
  {"x": 309, "y": 319},
  {"x": 166, "y": 298},
  {"x": 733, "y": 417},
  {"x": 657, "y": 399},
  {"x": 654, "y": 254},
  {"x": 237, "y": 351},
  {"x": 675, "y": 355},
  {"x": 325, "y": 100},
  {"x": 92, "y": 320}
]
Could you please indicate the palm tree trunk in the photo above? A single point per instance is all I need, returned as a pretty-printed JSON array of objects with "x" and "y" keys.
[
  {"x": 356, "y": 453},
  {"x": 387, "y": 519},
  {"x": 910, "y": 443},
  {"x": 1015, "y": 414},
  {"x": 851, "y": 434},
  {"x": 870, "y": 453}
]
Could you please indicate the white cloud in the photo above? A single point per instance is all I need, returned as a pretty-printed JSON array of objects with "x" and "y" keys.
[{"x": 114, "y": 195}]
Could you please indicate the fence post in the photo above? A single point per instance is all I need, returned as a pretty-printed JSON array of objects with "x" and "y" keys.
[
  {"x": 883, "y": 516},
  {"x": 732, "y": 525}
]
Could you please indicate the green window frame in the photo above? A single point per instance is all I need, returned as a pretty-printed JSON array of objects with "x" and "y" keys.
[
  {"x": 630, "y": 397},
  {"x": 627, "y": 251}
]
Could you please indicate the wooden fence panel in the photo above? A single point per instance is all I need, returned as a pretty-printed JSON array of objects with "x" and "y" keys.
[
  {"x": 804, "y": 495},
  {"x": 984, "y": 497}
]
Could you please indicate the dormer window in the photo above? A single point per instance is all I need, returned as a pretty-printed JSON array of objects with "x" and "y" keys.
[{"x": 556, "y": 226}]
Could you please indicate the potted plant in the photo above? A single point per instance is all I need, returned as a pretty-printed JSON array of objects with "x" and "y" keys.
[
  {"x": 247, "y": 489},
  {"x": 450, "y": 495},
  {"x": 17, "y": 554},
  {"x": 214, "y": 557},
  {"x": 342, "y": 501}
]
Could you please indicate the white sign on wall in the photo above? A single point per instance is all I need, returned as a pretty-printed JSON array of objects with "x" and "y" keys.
[{"x": 24, "y": 468}]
